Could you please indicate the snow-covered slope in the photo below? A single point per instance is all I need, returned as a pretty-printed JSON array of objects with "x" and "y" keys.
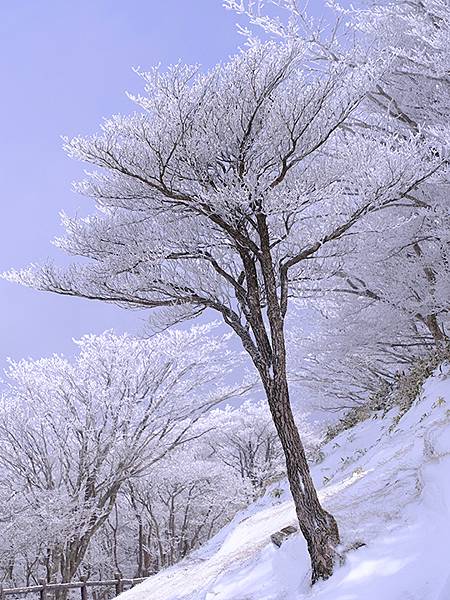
[{"x": 388, "y": 486}]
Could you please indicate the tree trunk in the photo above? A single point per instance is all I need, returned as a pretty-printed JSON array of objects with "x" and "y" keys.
[
  {"x": 433, "y": 327},
  {"x": 317, "y": 525},
  {"x": 140, "y": 553}
]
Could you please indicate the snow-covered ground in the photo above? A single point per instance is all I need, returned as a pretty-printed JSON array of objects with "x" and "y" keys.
[{"x": 388, "y": 486}]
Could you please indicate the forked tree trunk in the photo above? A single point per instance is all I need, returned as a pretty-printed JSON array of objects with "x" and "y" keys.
[{"x": 317, "y": 525}]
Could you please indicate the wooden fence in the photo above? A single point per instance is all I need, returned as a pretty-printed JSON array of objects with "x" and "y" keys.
[{"x": 44, "y": 588}]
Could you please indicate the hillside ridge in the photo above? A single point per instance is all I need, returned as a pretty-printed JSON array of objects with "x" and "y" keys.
[{"x": 387, "y": 482}]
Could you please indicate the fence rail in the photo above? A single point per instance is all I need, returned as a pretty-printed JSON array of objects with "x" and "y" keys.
[{"x": 44, "y": 587}]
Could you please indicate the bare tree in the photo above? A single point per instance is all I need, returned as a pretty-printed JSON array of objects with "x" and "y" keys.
[
  {"x": 244, "y": 439},
  {"x": 72, "y": 434},
  {"x": 216, "y": 195},
  {"x": 182, "y": 504}
]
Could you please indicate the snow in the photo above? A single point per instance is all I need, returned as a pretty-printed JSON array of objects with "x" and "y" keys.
[{"x": 387, "y": 483}]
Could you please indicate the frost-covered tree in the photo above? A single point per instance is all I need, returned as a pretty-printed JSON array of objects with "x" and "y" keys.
[
  {"x": 401, "y": 262},
  {"x": 73, "y": 433},
  {"x": 404, "y": 262},
  {"x": 244, "y": 439},
  {"x": 415, "y": 91},
  {"x": 416, "y": 88},
  {"x": 218, "y": 192},
  {"x": 353, "y": 353},
  {"x": 384, "y": 302},
  {"x": 181, "y": 505}
]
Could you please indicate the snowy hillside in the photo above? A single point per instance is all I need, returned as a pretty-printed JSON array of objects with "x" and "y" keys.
[{"x": 388, "y": 489}]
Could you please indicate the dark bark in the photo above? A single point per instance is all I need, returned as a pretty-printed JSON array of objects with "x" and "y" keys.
[
  {"x": 140, "y": 554},
  {"x": 434, "y": 328},
  {"x": 431, "y": 320},
  {"x": 268, "y": 290},
  {"x": 318, "y": 527}
]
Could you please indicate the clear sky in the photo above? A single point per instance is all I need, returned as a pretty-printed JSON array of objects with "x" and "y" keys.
[{"x": 65, "y": 64}]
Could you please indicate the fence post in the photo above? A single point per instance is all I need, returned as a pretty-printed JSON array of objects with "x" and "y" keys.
[
  {"x": 119, "y": 583},
  {"x": 83, "y": 587},
  {"x": 43, "y": 591}
]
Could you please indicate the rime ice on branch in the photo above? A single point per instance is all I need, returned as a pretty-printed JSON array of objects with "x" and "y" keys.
[{"x": 219, "y": 192}]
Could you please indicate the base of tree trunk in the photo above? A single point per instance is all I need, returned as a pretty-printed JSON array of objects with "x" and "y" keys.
[
  {"x": 318, "y": 526},
  {"x": 322, "y": 549}
]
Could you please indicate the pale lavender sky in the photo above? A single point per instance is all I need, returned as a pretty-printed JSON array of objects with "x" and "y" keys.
[{"x": 66, "y": 64}]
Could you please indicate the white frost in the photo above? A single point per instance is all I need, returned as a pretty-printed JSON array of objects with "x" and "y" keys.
[{"x": 388, "y": 489}]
